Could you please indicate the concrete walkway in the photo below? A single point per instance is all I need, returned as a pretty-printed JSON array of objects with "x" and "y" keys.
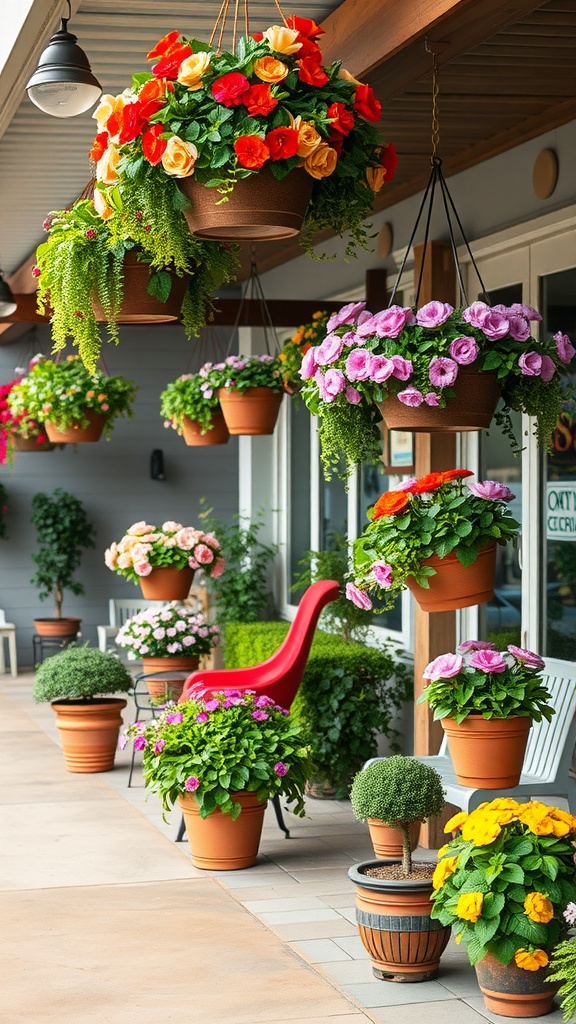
[{"x": 105, "y": 921}]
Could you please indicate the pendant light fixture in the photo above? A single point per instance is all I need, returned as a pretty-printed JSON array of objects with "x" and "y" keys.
[
  {"x": 63, "y": 84},
  {"x": 7, "y": 304}
]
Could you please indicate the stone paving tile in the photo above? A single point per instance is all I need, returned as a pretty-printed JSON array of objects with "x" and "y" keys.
[
  {"x": 260, "y": 907},
  {"x": 351, "y": 972},
  {"x": 334, "y": 1018},
  {"x": 386, "y": 993},
  {"x": 453, "y": 1012},
  {"x": 352, "y": 946},
  {"x": 297, "y": 916},
  {"x": 319, "y": 951},
  {"x": 313, "y": 929}
]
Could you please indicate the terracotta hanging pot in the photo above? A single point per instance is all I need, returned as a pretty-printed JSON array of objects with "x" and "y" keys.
[
  {"x": 387, "y": 841},
  {"x": 472, "y": 408},
  {"x": 30, "y": 444},
  {"x": 393, "y": 917},
  {"x": 259, "y": 207},
  {"x": 167, "y": 584},
  {"x": 138, "y": 306},
  {"x": 456, "y": 585},
  {"x": 89, "y": 732},
  {"x": 511, "y": 992},
  {"x": 487, "y": 753},
  {"x": 217, "y": 842},
  {"x": 63, "y": 627},
  {"x": 253, "y": 411},
  {"x": 76, "y": 434},
  {"x": 169, "y": 689},
  {"x": 217, "y": 434}
]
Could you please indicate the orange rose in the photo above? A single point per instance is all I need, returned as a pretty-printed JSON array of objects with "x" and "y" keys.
[
  {"x": 179, "y": 157},
  {"x": 430, "y": 482},
  {"x": 455, "y": 474},
  {"x": 270, "y": 69},
  {"x": 192, "y": 69},
  {"x": 375, "y": 176},
  {"x": 108, "y": 105},
  {"x": 389, "y": 503},
  {"x": 322, "y": 161},
  {"x": 282, "y": 39}
]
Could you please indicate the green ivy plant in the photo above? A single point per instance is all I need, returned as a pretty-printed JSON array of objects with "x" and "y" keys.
[
  {"x": 563, "y": 969},
  {"x": 194, "y": 395},
  {"x": 79, "y": 675},
  {"x": 63, "y": 530}
]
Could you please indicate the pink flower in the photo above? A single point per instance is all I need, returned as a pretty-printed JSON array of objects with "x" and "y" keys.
[
  {"x": 143, "y": 569},
  {"x": 358, "y": 597},
  {"x": 475, "y": 645},
  {"x": 352, "y": 396},
  {"x": 191, "y": 784},
  {"x": 174, "y": 718},
  {"x": 159, "y": 746},
  {"x": 531, "y": 364},
  {"x": 280, "y": 769},
  {"x": 410, "y": 396},
  {"x": 330, "y": 350},
  {"x": 444, "y": 667},
  {"x": 520, "y": 309},
  {"x": 201, "y": 717},
  {"x": 389, "y": 323},
  {"x": 495, "y": 326},
  {"x": 431, "y": 398},
  {"x": 519, "y": 328},
  {"x": 260, "y": 715},
  {"x": 346, "y": 315},
  {"x": 528, "y": 657},
  {"x": 203, "y": 554},
  {"x": 217, "y": 569},
  {"x": 382, "y": 573},
  {"x": 381, "y": 368},
  {"x": 402, "y": 368},
  {"x": 434, "y": 313},
  {"x": 548, "y": 368},
  {"x": 358, "y": 364},
  {"x": 476, "y": 314},
  {"x": 442, "y": 371},
  {"x": 488, "y": 661},
  {"x": 564, "y": 347},
  {"x": 405, "y": 485},
  {"x": 491, "y": 490},
  {"x": 334, "y": 383},
  {"x": 309, "y": 364},
  {"x": 212, "y": 704},
  {"x": 464, "y": 350}
]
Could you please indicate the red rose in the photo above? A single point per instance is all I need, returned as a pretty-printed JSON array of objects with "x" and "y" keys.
[
  {"x": 341, "y": 119},
  {"x": 389, "y": 160},
  {"x": 152, "y": 145},
  {"x": 259, "y": 100},
  {"x": 308, "y": 48},
  {"x": 229, "y": 89},
  {"x": 131, "y": 123},
  {"x": 99, "y": 146},
  {"x": 282, "y": 143},
  {"x": 366, "y": 103},
  {"x": 162, "y": 45},
  {"x": 114, "y": 123},
  {"x": 169, "y": 66},
  {"x": 427, "y": 483},
  {"x": 455, "y": 474},
  {"x": 258, "y": 37},
  {"x": 252, "y": 151},
  {"x": 336, "y": 141},
  {"x": 152, "y": 96},
  {"x": 306, "y": 26},
  {"x": 311, "y": 72}
]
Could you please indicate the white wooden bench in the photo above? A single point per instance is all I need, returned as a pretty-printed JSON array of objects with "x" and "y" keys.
[{"x": 547, "y": 770}]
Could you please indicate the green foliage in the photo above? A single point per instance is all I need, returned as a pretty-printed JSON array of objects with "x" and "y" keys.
[
  {"x": 217, "y": 747},
  {"x": 190, "y": 395},
  {"x": 63, "y": 530},
  {"x": 80, "y": 674},
  {"x": 349, "y": 693},
  {"x": 503, "y": 882},
  {"x": 3, "y": 511},
  {"x": 563, "y": 968},
  {"x": 340, "y": 616},
  {"x": 238, "y": 373},
  {"x": 242, "y": 591},
  {"x": 346, "y": 433},
  {"x": 63, "y": 392}
]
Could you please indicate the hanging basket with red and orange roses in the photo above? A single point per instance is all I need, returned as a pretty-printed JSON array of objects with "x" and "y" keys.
[{"x": 269, "y": 114}]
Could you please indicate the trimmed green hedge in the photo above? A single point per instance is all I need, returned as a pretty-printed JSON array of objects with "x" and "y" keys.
[{"x": 349, "y": 693}]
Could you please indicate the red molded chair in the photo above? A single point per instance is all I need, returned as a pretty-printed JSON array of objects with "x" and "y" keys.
[{"x": 280, "y": 676}]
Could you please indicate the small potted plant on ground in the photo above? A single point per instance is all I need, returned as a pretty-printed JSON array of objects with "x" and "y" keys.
[
  {"x": 76, "y": 406},
  {"x": 22, "y": 432},
  {"x": 168, "y": 639},
  {"x": 73, "y": 681},
  {"x": 502, "y": 884},
  {"x": 437, "y": 368},
  {"x": 486, "y": 701},
  {"x": 190, "y": 405},
  {"x": 223, "y": 758},
  {"x": 163, "y": 559},
  {"x": 63, "y": 530},
  {"x": 398, "y": 791},
  {"x": 250, "y": 391},
  {"x": 437, "y": 536}
]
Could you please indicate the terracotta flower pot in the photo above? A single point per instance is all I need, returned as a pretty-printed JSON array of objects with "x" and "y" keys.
[
  {"x": 387, "y": 841},
  {"x": 64, "y": 627},
  {"x": 167, "y": 584},
  {"x": 513, "y": 992},
  {"x": 77, "y": 434},
  {"x": 456, "y": 585},
  {"x": 30, "y": 444},
  {"x": 253, "y": 411},
  {"x": 258, "y": 208},
  {"x": 393, "y": 917},
  {"x": 89, "y": 732},
  {"x": 138, "y": 306},
  {"x": 472, "y": 408},
  {"x": 217, "y": 434},
  {"x": 217, "y": 842},
  {"x": 487, "y": 753},
  {"x": 170, "y": 689}
]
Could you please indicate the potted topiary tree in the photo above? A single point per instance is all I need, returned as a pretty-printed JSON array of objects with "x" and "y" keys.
[
  {"x": 63, "y": 530},
  {"x": 89, "y": 724},
  {"x": 398, "y": 791}
]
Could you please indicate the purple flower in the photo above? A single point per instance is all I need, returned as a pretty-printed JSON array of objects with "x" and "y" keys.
[
  {"x": 434, "y": 313},
  {"x": 475, "y": 645},
  {"x": 530, "y": 364},
  {"x": 358, "y": 364},
  {"x": 405, "y": 485},
  {"x": 382, "y": 573},
  {"x": 564, "y": 347},
  {"x": 464, "y": 350},
  {"x": 519, "y": 328},
  {"x": 358, "y": 597},
  {"x": 381, "y": 368},
  {"x": 388, "y": 323},
  {"x": 260, "y": 716},
  {"x": 442, "y": 371},
  {"x": 352, "y": 396},
  {"x": 548, "y": 368},
  {"x": 488, "y": 661},
  {"x": 495, "y": 325},
  {"x": 330, "y": 350},
  {"x": 201, "y": 717},
  {"x": 491, "y": 490},
  {"x": 346, "y": 315},
  {"x": 140, "y": 743},
  {"x": 402, "y": 367},
  {"x": 519, "y": 309},
  {"x": 122, "y": 742},
  {"x": 476, "y": 314},
  {"x": 159, "y": 746},
  {"x": 281, "y": 769},
  {"x": 334, "y": 383},
  {"x": 569, "y": 914},
  {"x": 191, "y": 784},
  {"x": 350, "y": 338},
  {"x": 212, "y": 704},
  {"x": 309, "y": 364},
  {"x": 528, "y": 657},
  {"x": 444, "y": 667},
  {"x": 264, "y": 702},
  {"x": 175, "y": 718},
  {"x": 431, "y": 398},
  {"x": 410, "y": 396}
]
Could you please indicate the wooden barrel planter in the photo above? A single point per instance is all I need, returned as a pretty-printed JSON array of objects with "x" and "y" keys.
[
  {"x": 138, "y": 306},
  {"x": 455, "y": 585},
  {"x": 475, "y": 399}
]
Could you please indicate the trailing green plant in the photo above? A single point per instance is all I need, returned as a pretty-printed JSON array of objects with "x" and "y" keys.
[
  {"x": 349, "y": 694},
  {"x": 63, "y": 530},
  {"x": 340, "y": 616},
  {"x": 194, "y": 395},
  {"x": 398, "y": 791},
  {"x": 63, "y": 392},
  {"x": 80, "y": 674},
  {"x": 242, "y": 591},
  {"x": 3, "y": 511}
]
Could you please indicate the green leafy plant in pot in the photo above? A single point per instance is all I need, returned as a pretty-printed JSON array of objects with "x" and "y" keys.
[
  {"x": 190, "y": 405},
  {"x": 74, "y": 681}
]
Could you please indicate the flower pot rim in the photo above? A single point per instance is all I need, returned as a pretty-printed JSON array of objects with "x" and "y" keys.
[
  {"x": 357, "y": 874},
  {"x": 86, "y": 702}
]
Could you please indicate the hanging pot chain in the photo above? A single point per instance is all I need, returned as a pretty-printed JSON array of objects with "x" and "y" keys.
[
  {"x": 220, "y": 22},
  {"x": 435, "y": 94}
]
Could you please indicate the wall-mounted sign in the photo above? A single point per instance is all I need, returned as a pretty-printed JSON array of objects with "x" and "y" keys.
[
  {"x": 561, "y": 510},
  {"x": 398, "y": 456}
]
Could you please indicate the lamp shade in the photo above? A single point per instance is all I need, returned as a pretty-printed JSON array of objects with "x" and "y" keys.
[
  {"x": 63, "y": 84},
  {"x": 7, "y": 304}
]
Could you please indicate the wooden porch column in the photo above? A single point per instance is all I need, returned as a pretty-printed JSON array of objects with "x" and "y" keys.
[{"x": 434, "y": 633}]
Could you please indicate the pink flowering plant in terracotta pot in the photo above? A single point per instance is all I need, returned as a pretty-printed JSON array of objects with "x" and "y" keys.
[
  {"x": 238, "y": 373},
  {"x": 146, "y": 547},
  {"x": 437, "y": 514},
  {"x": 417, "y": 355},
  {"x": 214, "y": 748},
  {"x": 172, "y": 631}
]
